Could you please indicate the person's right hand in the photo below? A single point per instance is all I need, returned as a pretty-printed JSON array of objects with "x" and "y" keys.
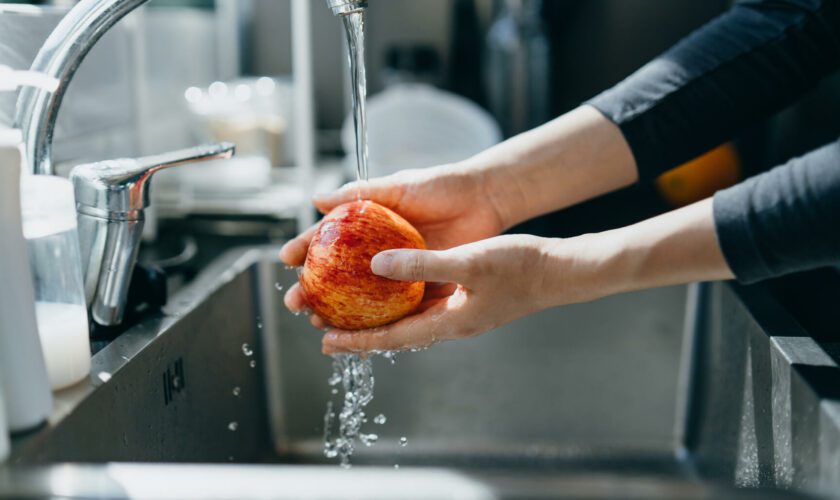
[{"x": 449, "y": 205}]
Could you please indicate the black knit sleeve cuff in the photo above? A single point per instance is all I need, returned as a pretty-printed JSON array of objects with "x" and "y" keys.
[{"x": 737, "y": 241}]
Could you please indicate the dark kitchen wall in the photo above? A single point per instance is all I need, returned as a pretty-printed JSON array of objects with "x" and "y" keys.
[{"x": 594, "y": 42}]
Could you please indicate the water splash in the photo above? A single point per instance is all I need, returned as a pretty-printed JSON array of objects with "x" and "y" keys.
[
  {"x": 390, "y": 356},
  {"x": 368, "y": 439},
  {"x": 380, "y": 419},
  {"x": 355, "y": 374}
]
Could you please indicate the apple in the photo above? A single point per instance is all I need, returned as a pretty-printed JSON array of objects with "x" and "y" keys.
[{"x": 336, "y": 279}]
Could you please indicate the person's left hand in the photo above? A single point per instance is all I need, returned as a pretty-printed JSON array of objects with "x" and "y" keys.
[{"x": 471, "y": 289}]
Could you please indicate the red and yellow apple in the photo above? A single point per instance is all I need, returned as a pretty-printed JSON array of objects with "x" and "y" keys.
[{"x": 337, "y": 281}]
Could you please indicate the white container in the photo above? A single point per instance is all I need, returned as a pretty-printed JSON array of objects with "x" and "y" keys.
[
  {"x": 5, "y": 446},
  {"x": 28, "y": 400},
  {"x": 49, "y": 227}
]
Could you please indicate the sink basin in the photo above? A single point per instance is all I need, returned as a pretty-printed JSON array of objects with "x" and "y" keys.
[{"x": 588, "y": 400}]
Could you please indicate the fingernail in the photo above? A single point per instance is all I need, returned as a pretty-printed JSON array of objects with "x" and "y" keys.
[{"x": 382, "y": 263}]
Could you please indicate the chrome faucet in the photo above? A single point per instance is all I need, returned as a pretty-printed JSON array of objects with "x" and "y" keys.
[
  {"x": 110, "y": 199},
  {"x": 344, "y": 7},
  {"x": 60, "y": 57},
  {"x": 110, "y": 195}
]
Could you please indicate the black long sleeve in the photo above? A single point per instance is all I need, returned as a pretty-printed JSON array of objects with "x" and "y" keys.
[{"x": 740, "y": 68}]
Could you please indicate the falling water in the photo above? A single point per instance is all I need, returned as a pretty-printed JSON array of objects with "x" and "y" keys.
[
  {"x": 354, "y": 26},
  {"x": 356, "y": 378},
  {"x": 354, "y": 373}
]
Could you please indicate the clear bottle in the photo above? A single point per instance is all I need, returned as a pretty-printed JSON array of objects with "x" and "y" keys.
[
  {"x": 26, "y": 390},
  {"x": 49, "y": 227}
]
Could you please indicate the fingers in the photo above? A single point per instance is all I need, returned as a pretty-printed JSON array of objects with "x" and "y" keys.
[
  {"x": 295, "y": 301},
  {"x": 443, "y": 320},
  {"x": 439, "y": 290},
  {"x": 420, "y": 265},
  {"x": 318, "y": 322},
  {"x": 293, "y": 253},
  {"x": 382, "y": 190}
]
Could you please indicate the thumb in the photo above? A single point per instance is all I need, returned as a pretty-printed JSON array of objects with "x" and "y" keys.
[{"x": 419, "y": 265}]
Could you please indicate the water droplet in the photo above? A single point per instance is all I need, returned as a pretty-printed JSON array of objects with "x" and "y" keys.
[
  {"x": 334, "y": 379},
  {"x": 380, "y": 419},
  {"x": 253, "y": 364},
  {"x": 230, "y": 458},
  {"x": 334, "y": 391},
  {"x": 237, "y": 391},
  {"x": 233, "y": 426},
  {"x": 368, "y": 439},
  {"x": 259, "y": 326},
  {"x": 104, "y": 376},
  {"x": 390, "y": 356},
  {"x": 279, "y": 287},
  {"x": 246, "y": 350},
  {"x": 403, "y": 441},
  {"x": 396, "y": 466}
]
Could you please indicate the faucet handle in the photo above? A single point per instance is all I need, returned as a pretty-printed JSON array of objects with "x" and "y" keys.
[
  {"x": 344, "y": 7},
  {"x": 120, "y": 188}
]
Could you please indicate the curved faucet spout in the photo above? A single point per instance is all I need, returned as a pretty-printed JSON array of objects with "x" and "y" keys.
[{"x": 60, "y": 57}]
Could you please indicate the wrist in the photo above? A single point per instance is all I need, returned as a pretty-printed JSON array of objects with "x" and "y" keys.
[
  {"x": 673, "y": 248},
  {"x": 495, "y": 185},
  {"x": 584, "y": 268}
]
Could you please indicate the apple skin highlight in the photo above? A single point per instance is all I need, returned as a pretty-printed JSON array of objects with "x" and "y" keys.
[{"x": 336, "y": 278}]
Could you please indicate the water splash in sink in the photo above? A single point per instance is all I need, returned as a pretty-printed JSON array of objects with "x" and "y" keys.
[{"x": 355, "y": 374}]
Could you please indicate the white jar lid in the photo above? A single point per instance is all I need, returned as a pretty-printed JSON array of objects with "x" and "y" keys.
[{"x": 48, "y": 205}]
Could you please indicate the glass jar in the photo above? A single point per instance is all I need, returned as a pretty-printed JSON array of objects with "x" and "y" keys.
[{"x": 49, "y": 227}]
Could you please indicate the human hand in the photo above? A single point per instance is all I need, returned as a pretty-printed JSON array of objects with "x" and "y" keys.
[
  {"x": 471, "y": 289},
  {"x": 494, "y": 281},
  {"x": 448, "y": 205}
]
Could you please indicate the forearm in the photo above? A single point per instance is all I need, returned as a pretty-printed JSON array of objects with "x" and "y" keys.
[
  {"x": 743, "y": 66},
  {"x": 677, "y": 247},
  {"x": 573, "y": 158}
]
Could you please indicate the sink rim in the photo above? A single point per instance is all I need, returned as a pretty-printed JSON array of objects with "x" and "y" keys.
[
  {"x": 207, "y": 481},
  {"x": 120, "y": 352}
]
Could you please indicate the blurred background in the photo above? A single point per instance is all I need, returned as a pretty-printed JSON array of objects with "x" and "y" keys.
[{"x": 446, "y": 79}]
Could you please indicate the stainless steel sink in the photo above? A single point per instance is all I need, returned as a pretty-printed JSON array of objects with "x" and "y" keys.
[{"x": 585, "y": 400}]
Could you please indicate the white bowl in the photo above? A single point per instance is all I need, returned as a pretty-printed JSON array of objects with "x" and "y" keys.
[{"x": 414, "y": 125}]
